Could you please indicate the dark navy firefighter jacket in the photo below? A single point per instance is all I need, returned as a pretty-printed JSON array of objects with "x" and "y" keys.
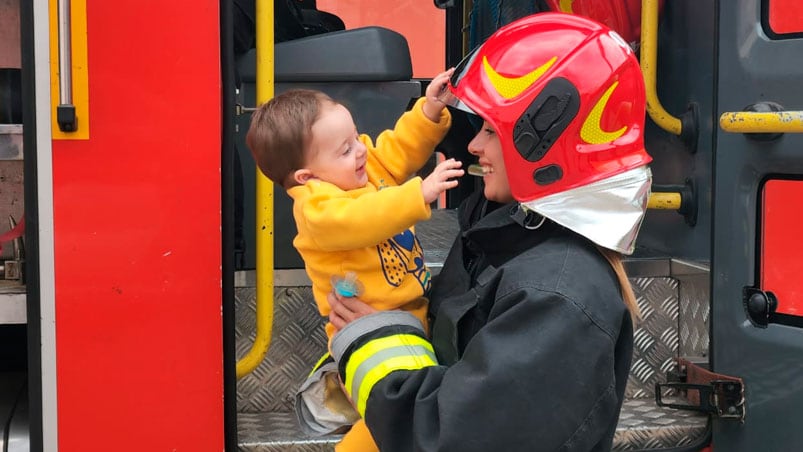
[{"x": 530, "y": 348}]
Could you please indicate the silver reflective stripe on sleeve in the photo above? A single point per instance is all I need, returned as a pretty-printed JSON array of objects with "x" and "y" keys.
[
  {"x": 357, "y": 328},
  {"x": 377, "y": 358}
]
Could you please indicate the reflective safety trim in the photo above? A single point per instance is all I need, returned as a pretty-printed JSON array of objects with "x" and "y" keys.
[
  {"x": 607, "y": 212},
  {"x": 510, "y": 87},
  {"x": 592, "y": 132},
  {"x": 378, "y": 358},
  {"x": 319, "y": 363}
]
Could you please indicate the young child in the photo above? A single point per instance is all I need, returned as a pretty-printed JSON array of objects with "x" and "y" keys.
[{"x": 355, "y": 203}]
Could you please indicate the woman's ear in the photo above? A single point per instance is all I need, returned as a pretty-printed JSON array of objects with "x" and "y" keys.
[{"x": 301, "y": 176}]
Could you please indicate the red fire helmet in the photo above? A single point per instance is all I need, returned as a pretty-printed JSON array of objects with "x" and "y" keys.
[
  {"x": 622, "y": 16},
  {"x": 566, "y": 96}
]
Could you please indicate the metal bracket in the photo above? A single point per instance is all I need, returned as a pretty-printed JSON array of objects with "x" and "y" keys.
[
  {"x": 718, "y": 395},
  {"x": 240, "y": 109},
  {"x": 13, "y": 269},
  {"x": 721, "y": 398}
]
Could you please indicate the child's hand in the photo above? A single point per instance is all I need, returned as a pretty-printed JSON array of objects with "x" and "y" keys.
[
  {"x": 434, "y": 105},
  {"x": 441, "y": 179}
]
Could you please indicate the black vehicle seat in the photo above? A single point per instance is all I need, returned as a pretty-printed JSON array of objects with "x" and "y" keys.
[{"x": 384, "y": 55}]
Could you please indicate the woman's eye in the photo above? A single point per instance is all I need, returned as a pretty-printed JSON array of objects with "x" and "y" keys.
[{"x": 489, "y": 131}]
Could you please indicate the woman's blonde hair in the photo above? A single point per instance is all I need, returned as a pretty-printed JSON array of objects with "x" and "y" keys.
[{"x": 615, "y": 259}]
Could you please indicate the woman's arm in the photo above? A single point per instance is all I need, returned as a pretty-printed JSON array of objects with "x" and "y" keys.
[
  {"x": 346, "y": 309},
  {"x": 538, "y": 376}
]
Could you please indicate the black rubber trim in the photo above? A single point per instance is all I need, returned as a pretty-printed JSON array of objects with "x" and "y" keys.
[
  {"x": 31, "y": 195},
  {"x": 228, "y": 224}
]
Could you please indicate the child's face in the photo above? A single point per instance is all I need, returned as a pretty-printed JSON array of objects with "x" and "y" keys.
[{"x": 335, "y": 154}]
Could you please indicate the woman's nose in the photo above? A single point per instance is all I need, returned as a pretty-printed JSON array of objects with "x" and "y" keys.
[{"x": 474, "y": 146}]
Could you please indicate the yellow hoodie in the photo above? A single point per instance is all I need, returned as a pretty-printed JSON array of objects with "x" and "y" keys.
[{"x": 370, "y": 230}]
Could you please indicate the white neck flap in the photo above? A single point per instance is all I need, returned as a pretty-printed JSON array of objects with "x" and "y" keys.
[{"x": 607, "y": 212}]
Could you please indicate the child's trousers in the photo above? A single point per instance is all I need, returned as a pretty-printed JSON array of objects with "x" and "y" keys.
[{"x": 358, "y": 439}]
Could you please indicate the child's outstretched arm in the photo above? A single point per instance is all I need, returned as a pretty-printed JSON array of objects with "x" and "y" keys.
[
  {"x": 433, "y": 105},
  {"x": 403, "y": 150},
  {"x": 443, "y": 177}
]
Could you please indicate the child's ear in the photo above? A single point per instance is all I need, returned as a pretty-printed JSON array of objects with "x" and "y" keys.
[{"x": 302, "y": 175}]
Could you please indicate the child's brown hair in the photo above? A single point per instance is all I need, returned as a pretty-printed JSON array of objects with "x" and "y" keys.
[{"x": 281, "y": 131}]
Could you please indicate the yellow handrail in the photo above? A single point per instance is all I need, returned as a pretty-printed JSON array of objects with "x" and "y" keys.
[
  {"x": 665, "y": 201},
  {"x": 648, "y": 58},
  {"x": 264, "y": 201},
  {"x": 762, "y": 122},
  {"x": 680, "y": 198}
]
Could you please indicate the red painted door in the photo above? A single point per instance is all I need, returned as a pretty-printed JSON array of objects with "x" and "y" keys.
[{"x": 136, "y": 224}]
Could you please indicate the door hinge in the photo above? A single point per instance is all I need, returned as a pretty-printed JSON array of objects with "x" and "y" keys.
[{"x": 716, "y": 394}]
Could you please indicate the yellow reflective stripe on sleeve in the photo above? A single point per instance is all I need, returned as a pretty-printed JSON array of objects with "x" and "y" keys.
[
  {"x": 381, "y": 371},
  {"x": 377, "y": 345},
  {"x": 403, "y": 351},
  {"x": 319, "y": 363}
]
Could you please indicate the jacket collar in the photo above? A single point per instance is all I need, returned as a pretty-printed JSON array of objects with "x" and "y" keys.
[{"x": 492, "y": 228}]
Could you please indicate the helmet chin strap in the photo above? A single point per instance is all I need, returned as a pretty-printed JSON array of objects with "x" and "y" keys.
[{"x": 527, "y": 218}]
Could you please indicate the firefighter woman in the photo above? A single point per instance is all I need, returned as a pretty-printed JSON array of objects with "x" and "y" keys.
[{"x": 532, "y": 314}]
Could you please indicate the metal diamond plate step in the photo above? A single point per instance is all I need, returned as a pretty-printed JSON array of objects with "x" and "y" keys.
[
  {"x": 277, "y": 432},
  {"x": 642, "y": 426},
  {"x": 674, "y": 321}
]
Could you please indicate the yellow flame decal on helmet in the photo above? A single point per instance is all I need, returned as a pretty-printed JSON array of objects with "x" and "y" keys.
[
  {"x": 566, "y": 6},
  {"x": 591, "y": 132},
  {"x": 510, "y": 87}
]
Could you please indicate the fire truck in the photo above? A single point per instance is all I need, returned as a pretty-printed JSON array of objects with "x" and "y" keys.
[{"x": 151, "y": 299}]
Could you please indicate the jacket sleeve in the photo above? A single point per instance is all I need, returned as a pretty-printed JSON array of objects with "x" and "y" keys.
[
  {"x": 336, "y": 221},
  {"x": 538, "y": 376},
  {"x": 406, "y": 148}
]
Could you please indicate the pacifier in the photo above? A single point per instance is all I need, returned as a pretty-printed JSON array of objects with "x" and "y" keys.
[{"x": 348, "y": 285}]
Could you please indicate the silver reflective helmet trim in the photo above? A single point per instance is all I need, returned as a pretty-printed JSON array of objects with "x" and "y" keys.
[{"x": 607, "y": 212}]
